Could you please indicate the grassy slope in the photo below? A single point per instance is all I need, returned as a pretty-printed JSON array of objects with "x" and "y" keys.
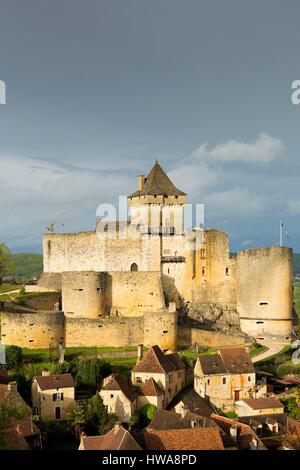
[{"x": 26, "y": 265}]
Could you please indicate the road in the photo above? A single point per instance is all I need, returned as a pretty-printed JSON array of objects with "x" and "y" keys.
[{"x": 273, "y": 348}]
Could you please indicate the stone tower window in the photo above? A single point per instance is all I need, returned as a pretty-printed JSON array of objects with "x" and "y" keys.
[
  {"x": 134, "y": 267},
  {"x": 203, "y": 271},
  {"x": 227, "y": 271}
]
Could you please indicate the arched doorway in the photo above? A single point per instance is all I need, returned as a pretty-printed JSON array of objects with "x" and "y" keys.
[{"x": 134, "y": 267}]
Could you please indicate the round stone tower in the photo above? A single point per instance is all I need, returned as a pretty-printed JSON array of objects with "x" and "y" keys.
[
  {"x": 161, "y": 328},
  {"x": 264, "y": 292},
  {"x": 83, "y": 294}
]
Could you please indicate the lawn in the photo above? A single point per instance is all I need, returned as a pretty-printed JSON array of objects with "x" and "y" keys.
[
  {"x": 8, "y": 288},
  {"x": 256, "y": 349},
  {"x": 189, "y": 355}
]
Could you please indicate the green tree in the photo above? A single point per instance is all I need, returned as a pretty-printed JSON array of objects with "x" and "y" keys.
[
  {"x": 135, "y": 419},
  {"x": 146, "y": 415},
  {"x": 90, "y": 373},
  {"x": 77, "y": 418},
  {"x": 14, "y": 357},
  {"x": 65, "y": 367},
  {"x": 98, "y": 417},
  {"x": 5, "y": 261}
]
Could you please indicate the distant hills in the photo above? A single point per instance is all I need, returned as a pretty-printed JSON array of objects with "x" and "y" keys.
[
  {"x": 26, "y": 266},
  {"x": 29, "y": 265}
]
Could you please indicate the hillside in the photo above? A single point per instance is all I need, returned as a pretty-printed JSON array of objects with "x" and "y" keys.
[
  {"x": 296, "y": 263},
  {"x": 26, "y": 265}
]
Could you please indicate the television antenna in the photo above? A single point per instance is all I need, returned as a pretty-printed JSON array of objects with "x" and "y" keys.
[{"x": 51, "y": 227}]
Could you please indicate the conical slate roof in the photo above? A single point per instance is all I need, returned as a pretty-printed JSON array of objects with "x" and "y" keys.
[{"x": 157, "y": 183}]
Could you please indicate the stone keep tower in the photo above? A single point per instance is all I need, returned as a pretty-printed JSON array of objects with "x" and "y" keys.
[
  {"x": 264, "y": 292},
  {"x": 157, "y": 205}
]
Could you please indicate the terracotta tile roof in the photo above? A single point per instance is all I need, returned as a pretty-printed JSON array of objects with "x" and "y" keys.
[
  {"x": 263, "y": 403},
  {"x": 244, "y": 432},
  {"x": 176, "y": 361},
  {"x": 156, "y": 361},
  {"x": 212, "y": 364},
  {"x": 10, "y": 396},
  {"x": 13, "y": 440},
  {"x": 118, "y": 383},
  {"x": 181, "y": 439},
  {"x": 157, "y": 183},
  {"x": 151, "y": 389},
  {"x": 116, "y": 439},
  {"x": 193, "y": 402},
  {"x": 164, "y": 419},
  {"x": 227, "y": 361},
  {"x": 50, "y": 382},
  {"x": 27, "y": 427},
  {"x": 237, "y": 360}
]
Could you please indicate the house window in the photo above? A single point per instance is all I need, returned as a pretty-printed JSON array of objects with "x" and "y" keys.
[
  {"x": 249, "y": 379},
  {"x": 224, "y": 380},
  {"x": 58, "y": 396},
  {"x": 208, "y": 381},
  {"x": 138, "y": 380},
  {"x": 111, "y": 396}
]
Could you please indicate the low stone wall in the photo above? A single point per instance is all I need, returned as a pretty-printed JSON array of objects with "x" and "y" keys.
[
  {"x": 45, "y": 301},
  {"x": 186, "y": 337},
  {"x": 33, "y": 330},
  {"x": 51, "y": 281},
  {"x": 104, "y": 332}
]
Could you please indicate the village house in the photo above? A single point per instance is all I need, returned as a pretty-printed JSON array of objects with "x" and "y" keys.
[
  {"x": 117, "y": 438},
  {"x": 163, "y": 420},
  {"x": 22, "y": 434},
  {"x": 165, "y": 369},
  {"x": 236, "y": 435},
  {"x": 53, "y": 396},
  {"x": 271, "y": 429},
  {"x": 225, "y": 377},
  {"x": 119, "y": 397},
  {"x": 9, "y": 395},
  {"x": 122, "y": 399},
  {"x": 188, "y": 401},
  {"x": 181, "y": 439},
  {"x": 259, "y": 406}
]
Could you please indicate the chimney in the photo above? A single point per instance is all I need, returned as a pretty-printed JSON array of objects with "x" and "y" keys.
[
  {"x": 141, "y": 180},
  {"x": 45, "y": 373},
  {"x": 184, "y": 411},
  {"x": 253, "y": 444},
  {"x": 233, "y": 432},
  {"x": 116, "y": 428},
  {"x": 13, "y": 386},
  {"x": 172, "y": 307},
  {"x": 140, "y": 352}
]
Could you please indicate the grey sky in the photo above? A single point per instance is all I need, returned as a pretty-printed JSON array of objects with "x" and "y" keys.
[{"x": 96, "y": 90}]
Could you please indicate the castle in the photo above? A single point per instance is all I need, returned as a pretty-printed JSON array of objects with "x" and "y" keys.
[{"x": 153, "y": 282}]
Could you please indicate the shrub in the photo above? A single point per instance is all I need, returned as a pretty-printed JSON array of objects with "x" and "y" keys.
[
  {"x": 91, "y": 371},
  {"x": 146, "y": 415},
  {"x": 14, "y": 357}
]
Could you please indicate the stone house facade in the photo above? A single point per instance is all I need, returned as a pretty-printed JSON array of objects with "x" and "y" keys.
[{"x": 53, "y": 396}]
